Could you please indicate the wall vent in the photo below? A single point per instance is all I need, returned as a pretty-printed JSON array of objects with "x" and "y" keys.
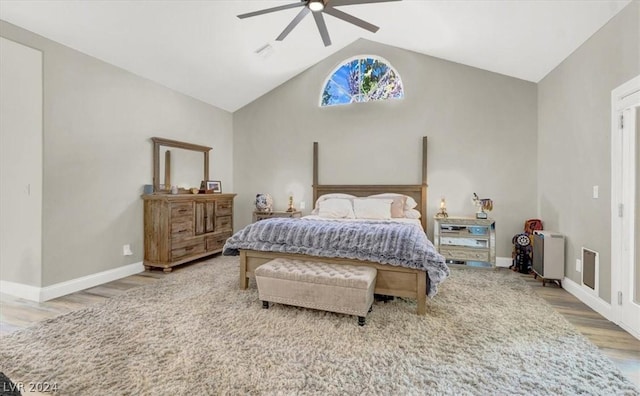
[{"x": 590, "y": 270}]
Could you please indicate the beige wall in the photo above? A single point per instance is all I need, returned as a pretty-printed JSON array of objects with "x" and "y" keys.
[
  {"x": 637, "y": 210},
  {"x": 20, "y": 163},
  {"x": 97, "y": 155},
  {"x": 481, "y": 128},
  {"x": 574, "y": 139}
]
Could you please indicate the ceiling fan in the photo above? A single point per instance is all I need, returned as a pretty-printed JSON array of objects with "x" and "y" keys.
[{"x": 318, "y": 7}]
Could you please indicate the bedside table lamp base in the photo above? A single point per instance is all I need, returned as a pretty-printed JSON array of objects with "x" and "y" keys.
[
  {"x": 442, "y": 214},
  {"x": 443, "y": 210},
  {"x": 291, "y": 208}
]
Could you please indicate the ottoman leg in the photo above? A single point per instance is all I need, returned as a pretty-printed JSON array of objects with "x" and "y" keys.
[
  {"x": 371, "y": 308},
  {"x": 361, "y": 321},
  {"x": 265, "y": 304}
]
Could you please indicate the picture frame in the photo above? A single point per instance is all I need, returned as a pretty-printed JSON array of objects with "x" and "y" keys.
[{"x": 214, "y": 185}]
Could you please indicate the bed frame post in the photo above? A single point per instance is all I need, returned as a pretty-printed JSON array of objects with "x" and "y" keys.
[
  {"x": 315, "y": 172},
  {"x": 424, "y": 183},
  {"x": 244, "y": 282},
  {"x": 422, "y": 293}
]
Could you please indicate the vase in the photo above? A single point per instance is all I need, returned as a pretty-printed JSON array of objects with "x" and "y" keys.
[{"x": 264, "y": 203}]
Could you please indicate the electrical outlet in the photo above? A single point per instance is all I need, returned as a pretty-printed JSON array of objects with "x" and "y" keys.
[
  {"x": 126, "y": 250},
  {"x": 302, "y": 205},
  {"x": 578, "y": 265},
  {"x": 596, "y": 192}
]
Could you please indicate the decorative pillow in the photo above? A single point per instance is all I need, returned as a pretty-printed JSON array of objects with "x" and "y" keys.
[
  {"x": 409, "y": 204},
  {"x": 397, "y": 206},
  {"x": 329, "y": 196},
  {"x": 372, "y": 208},
  {"x": 336, "y": 208},
  {"x": 412, "y": 214}
]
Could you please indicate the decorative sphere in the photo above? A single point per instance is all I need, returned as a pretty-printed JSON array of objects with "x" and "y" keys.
[{"x": 264, "y": 203}]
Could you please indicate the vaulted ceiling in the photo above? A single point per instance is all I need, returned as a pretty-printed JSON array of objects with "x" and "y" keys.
[{"x": 200, "y": 48}]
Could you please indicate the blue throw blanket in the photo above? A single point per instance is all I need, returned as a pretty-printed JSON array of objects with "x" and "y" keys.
[{"x": 384, "y": 242}]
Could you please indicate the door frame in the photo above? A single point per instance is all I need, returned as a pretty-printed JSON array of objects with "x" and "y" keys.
[{"x": 621, "y": 98}]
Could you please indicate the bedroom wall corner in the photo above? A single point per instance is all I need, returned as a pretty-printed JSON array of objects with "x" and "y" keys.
[
  {"x": 98, "y": 121},
  {"x": 574, "y": 140},
  {"x": 20, "y": 166}
]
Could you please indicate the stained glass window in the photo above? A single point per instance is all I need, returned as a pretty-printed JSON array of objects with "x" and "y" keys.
[{"x": 360, "y": 80}]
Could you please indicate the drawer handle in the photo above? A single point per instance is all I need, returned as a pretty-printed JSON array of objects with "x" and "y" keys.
[
  {"x": 188, "y": 248},
  {"x": 183, "y": 230},
  {"x": 182, "y": 210}
]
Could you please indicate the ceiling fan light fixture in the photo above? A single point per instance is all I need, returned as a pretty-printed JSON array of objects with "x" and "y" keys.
[
  {"x": 317, "y": 8},
  {"x": 316, "y": 5}
]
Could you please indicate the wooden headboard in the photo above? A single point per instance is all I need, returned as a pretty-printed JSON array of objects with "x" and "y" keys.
[{"x": 416, "y": 191}]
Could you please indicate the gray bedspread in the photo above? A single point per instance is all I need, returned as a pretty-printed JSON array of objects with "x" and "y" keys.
[{"x": 384, "y": 242}]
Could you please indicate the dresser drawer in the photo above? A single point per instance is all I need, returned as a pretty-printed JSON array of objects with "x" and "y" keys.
[
  {"x": 474, "y": 243},
  {"x": 223, "y": 223},
  {"x": 180, "y": 230},
  {"x": 224, "y": 207},
  {"x": 182, "y": 210},
  {"x": 464, "y": 254},
  {"x": 216, "y": 242},
  {"x": 186, "y": 248}
]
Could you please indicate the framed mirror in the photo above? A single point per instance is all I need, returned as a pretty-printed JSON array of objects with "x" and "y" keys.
[{"x": 161, "y": 145}]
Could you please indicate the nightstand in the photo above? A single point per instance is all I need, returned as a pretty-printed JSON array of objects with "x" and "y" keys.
[
  {"x": 257, "y": 216},
  {"x": 464, "y": 240}
]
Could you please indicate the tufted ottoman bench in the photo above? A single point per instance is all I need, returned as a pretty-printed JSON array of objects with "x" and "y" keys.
[{"x": 346, "y": 289}]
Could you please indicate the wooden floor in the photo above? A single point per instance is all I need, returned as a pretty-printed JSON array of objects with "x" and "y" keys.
[{"x": 615, "y": 343}]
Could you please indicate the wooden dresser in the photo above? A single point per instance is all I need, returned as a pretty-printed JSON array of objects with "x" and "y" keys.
[{"x": 184, "y": 227}]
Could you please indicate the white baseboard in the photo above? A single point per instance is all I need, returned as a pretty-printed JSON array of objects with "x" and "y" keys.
[
  {"x": 629, "y": 330},
  {"x": 20, "y": 290},
  {"x": 41, "y": 294},
  {"x": 503, "y": 262},
  {"x": 596, "y": 303}
]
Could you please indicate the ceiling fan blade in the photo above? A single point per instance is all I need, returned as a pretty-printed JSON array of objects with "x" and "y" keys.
[
  {"x": 303, "y": 13},
  {"x": 274, "y": 9},
  {"x": 351, "y": 19},
  {"x": 337, "y": 3},
  {"x": 322, "y": 28}
]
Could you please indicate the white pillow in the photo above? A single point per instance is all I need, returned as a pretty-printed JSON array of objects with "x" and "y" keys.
[
  {"x": 372, "y": 208},
  {"x": 412, "y": 214},
  {"x": 324, "y": 197},
  {"x": 410, "y": 204},
  {"x": 336, "y": 208}
]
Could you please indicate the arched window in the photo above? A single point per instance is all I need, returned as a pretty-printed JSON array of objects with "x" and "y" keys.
[{"x": 362, "y": 79}]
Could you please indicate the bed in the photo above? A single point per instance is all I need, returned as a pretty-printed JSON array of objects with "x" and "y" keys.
[{"x": 392, "y": 280}]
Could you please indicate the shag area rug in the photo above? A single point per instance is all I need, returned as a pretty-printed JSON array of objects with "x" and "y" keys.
[{"x": 195, "y": 333}]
